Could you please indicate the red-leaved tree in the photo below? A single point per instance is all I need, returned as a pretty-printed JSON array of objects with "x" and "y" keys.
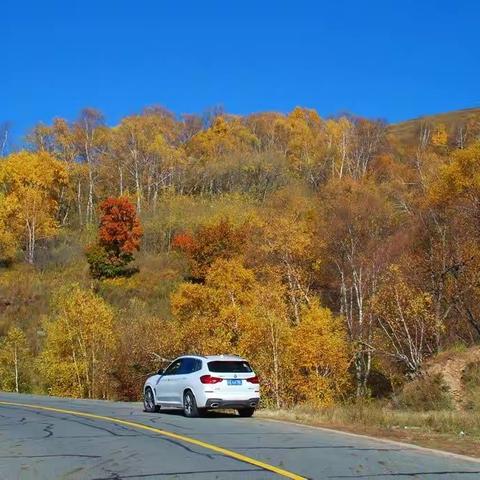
[{"x": 119, "y": 235}]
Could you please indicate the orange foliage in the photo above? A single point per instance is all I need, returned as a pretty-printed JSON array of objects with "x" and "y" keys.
[
  {"x": 120, "y": 229},
  {"x": 184, "y": 242},
  {"x": 221, "y": 240}
]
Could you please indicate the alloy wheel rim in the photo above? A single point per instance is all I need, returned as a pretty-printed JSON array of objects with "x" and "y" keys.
[
  {"x": 149, "y": 399},
  {"x": 188, "y": 404}
]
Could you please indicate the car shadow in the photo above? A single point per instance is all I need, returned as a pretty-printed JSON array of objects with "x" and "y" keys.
[
  {"x": 221, "y": 414},
  {"x": 208, "y": 414}
]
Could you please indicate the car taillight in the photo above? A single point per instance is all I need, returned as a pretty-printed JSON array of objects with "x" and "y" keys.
[
  {"x": 210, "y": 379},
  {"x": 254, "y": 379}
]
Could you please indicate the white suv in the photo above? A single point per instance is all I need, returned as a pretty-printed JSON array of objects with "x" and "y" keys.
[{"x": 196, "y": 384}]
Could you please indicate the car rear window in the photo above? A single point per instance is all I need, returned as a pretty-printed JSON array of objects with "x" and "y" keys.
[{"x": 229, "y": 366}]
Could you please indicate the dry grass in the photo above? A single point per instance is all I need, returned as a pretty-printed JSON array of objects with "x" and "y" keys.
[
  {"x": 455, "y": 431},
  {"x": 408, "y": 131}
]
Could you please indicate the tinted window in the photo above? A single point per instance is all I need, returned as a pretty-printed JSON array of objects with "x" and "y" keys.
[
  {"x": 229, "y": 366},
  {"x": 173, "y": 368},
  {"x": 190, "y": 365}
]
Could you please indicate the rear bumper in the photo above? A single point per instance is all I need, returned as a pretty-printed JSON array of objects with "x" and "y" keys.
[{"x": 219, "y": 403}]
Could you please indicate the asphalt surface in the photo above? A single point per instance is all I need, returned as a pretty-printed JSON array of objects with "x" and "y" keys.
[{"x": 47, "y": 444}]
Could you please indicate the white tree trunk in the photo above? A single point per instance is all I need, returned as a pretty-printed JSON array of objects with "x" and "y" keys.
[{"x": 15, "y": 359}]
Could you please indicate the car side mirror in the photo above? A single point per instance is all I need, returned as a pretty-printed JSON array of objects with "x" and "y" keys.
[{"x": 160, "y": 372}]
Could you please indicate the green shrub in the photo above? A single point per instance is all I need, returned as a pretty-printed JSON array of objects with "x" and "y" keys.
[
  {"x": 426, "y": 393},
  {"x": 104, "y": 264}
]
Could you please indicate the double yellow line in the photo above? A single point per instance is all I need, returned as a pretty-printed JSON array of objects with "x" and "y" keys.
[{"x": 165, "y": 433}]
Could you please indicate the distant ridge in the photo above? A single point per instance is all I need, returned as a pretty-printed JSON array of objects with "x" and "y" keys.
[{"x": 408, "y": 130}]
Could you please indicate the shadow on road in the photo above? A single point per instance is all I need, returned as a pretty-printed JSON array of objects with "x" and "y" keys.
[{"x": 209, "y": 414}]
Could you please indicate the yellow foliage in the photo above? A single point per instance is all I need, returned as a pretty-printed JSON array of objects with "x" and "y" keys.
[
  {"x": 8, "y": 240},
  {"x": 301, "y": 132},
  {"x": 226, "y": 136},
  {"x": 287, "y": 244},
  {"x": 407, "y": 324},
  {"x": 211, "y": 314},
  {"x": 15, "y": 361},
  {"x": 321, "y": 356},
  {"x": 339, "y": 133},
  {"x": 440, "y": 136},
  {"x": 234, "y": 313},
  {"x": 266, "y": 337},
  {"x": 32, "y": 183},
  {"x": 79, "y": 342},
  {"x": 459, "y": 178}
]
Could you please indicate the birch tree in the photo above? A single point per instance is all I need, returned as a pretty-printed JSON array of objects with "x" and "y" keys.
[
  {"x": 4, "y": 138},
  {"x": 15, "y": 361},
  {"x": 32, "y": 185},
  {"x": 406, "y": 322},
  {"x": 356, "y": 226},
  {"x": 79, "y": 342},
  {"x": 91, "y": 139}
]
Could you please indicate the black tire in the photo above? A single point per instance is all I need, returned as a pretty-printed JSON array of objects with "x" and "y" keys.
[
  {"x": 246, "y": 412},
  {"x": 190, "y": 408},
  {"x": 149, "y": 401}
]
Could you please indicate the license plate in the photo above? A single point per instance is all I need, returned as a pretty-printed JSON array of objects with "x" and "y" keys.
[{"x": 234, "y": 382}]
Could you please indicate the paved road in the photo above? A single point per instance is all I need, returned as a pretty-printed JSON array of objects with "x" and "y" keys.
[{"x": 38, "y": 443}]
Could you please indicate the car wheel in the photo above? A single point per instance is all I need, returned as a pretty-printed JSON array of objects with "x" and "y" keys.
[
  {"x": 190, "y": 405},
  {"x": 246, "y": 412},
  {"x": 149, "y": 401}
]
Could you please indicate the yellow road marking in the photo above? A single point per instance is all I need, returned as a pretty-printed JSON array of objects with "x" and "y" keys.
[{"x": 165, "y": 433}]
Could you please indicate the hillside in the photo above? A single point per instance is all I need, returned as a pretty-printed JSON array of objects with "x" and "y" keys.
[
  {"x": 408, "y": 131},
  {"x": 321, "y": 249},
  {"x": 460, "y": 372}
]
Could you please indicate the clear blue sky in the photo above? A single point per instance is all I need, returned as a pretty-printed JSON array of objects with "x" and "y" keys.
[{"x": 393, "y": 59}]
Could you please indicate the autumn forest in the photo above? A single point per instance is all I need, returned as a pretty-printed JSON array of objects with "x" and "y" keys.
[{"x": 337, "y": 254}]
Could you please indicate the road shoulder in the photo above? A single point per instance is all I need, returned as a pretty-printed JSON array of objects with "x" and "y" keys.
[{"x": 461, "y": 447}]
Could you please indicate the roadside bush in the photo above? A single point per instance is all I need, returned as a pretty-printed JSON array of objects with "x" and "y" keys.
[
  {"x": 426, "y": 393},
  {"x": 471, "y": 381}
]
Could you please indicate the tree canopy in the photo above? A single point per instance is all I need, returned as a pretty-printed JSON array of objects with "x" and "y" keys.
[{"x": 329, "y": 251}]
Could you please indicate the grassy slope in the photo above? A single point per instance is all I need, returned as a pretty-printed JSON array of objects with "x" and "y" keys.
[
  {"x": 455, "y": 428},
  {"x": 408, "y": 131},
  {"x": 452, "y": 431}
]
